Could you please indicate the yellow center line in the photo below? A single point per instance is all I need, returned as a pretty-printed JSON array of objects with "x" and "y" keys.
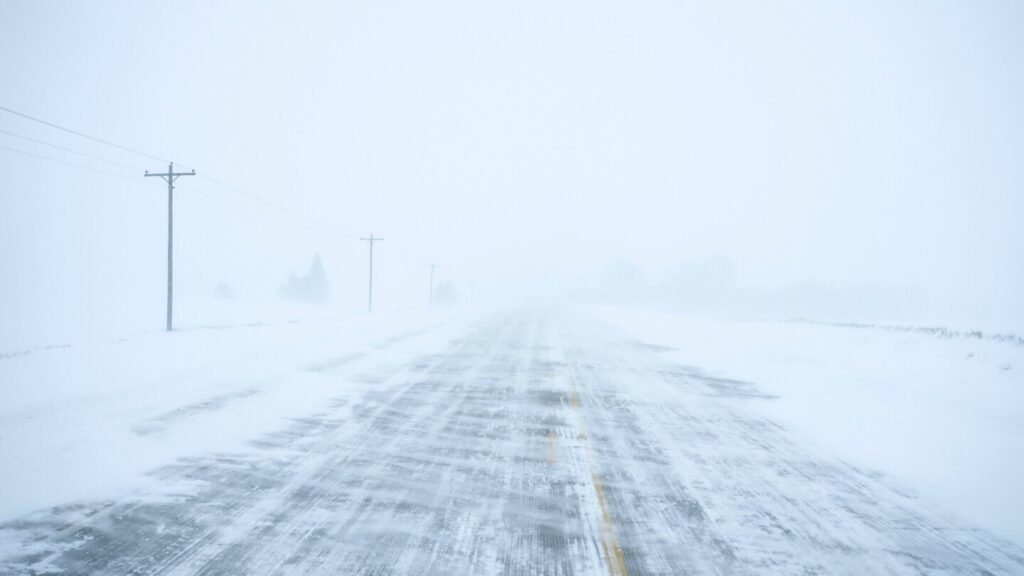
[
  {"x": 552, "y": 448},
  {"x": 609, "y": 539},
  {"x": 613, "y": 554}
]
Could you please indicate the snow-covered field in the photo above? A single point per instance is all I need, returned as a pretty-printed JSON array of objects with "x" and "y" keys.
[
  {"x": 943, "y": 415},
  {"x": 86, "y": 420}
]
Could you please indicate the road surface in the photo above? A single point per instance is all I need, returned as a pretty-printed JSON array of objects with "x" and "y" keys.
[{"x": 537, "y": 443}]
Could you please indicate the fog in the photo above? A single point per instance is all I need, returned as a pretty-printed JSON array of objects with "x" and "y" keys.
[{"x": 834, "y": 161}]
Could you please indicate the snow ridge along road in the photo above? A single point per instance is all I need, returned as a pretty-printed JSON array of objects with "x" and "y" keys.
[{"x": 537, "y": 443}]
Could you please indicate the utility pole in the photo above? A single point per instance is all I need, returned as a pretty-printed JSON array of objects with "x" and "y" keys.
[
  {"x": 170, "y": 177},
  {"x": 371, "y": 240},
  {"x": 432, "y": 267}
]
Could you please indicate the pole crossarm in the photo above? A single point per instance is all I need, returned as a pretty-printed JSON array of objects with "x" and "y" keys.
[{"x": 170, "y": 173}]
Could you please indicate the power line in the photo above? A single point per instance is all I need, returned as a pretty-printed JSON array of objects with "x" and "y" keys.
[
  {"x": 90, "y": 168},
  {"x": 94, "y": 157},
  {"x": 206, "y": 196},
  {"x": 241, "y": 210},
  {"x": 285, "y": 209},
  {"x": 236, "y": 210},
  {"x": 82, "y": 134},
  {"x": 212, "y": 199},
  {"x": 279, "y": 218}
]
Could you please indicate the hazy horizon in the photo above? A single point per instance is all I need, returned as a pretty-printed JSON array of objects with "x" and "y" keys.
[{"x": 788, "y": 159}]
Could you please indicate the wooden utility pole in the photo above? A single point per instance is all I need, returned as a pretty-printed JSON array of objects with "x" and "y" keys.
[
  {"x": 371, "y": 240},
  {"x": 432, "y": 267},
  {"x": 170, "y": 177}
]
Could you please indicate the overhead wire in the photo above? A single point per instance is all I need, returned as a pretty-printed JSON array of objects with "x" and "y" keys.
[
  {"x": 87, "y": 155},
  {"x": 310, "y": 219},
  {"x": 240, "y": 210},
  {"x": 83, "y": 135},
  {"x": 205, "y": 196},
  {"x": 66, "y": 163},
  {"x": 294, "y": 214}
]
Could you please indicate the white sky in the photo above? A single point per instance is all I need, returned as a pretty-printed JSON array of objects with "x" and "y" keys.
[{"x": 845, "y": 145}]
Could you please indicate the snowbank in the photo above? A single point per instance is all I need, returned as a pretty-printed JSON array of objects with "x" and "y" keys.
[{"x": 944, "y": 416}]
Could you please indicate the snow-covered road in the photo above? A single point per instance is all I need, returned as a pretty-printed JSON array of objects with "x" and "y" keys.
[{"x": 536, "y": 443}]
